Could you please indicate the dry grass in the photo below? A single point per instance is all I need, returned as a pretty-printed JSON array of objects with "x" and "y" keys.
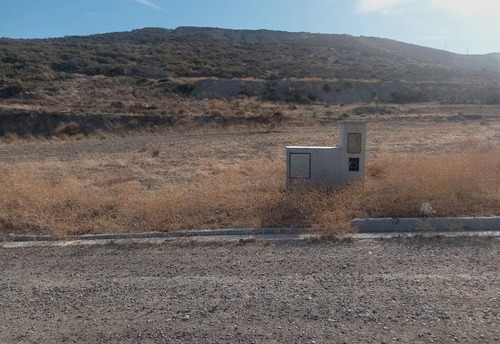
[
  {"x": 235, "y": 176},
  {"x": 49, "y": 197},
  {"x": 69, "y": 128}
]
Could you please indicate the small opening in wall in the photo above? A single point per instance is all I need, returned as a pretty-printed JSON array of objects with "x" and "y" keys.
[
  {"x": 300, "y": 165},
  {"x": 354, "y": 143},
  {"x": 353, "y": 164}
]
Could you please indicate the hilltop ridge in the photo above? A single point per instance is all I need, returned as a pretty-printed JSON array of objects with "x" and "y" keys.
[{"x": 153, "y": 63}]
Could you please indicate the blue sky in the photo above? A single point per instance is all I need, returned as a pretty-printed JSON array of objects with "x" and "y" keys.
[{"x": 455, "y": 25}]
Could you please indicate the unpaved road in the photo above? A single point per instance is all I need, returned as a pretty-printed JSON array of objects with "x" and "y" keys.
[{"x": 407, "y": 291}]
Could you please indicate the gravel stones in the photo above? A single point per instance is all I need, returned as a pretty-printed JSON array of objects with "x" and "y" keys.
[{"x": 408, "y": 291}]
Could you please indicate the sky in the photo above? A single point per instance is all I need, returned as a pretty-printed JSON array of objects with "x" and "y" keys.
[{"x": 460, "y": 26}]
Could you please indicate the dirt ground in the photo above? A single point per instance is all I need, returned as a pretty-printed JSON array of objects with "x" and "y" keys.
[
  {"x": 439, "y": 290},
  {"x": 183, "y": 153}
]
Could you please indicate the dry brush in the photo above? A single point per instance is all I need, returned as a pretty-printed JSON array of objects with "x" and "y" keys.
[{"x": 48, "y": 198}]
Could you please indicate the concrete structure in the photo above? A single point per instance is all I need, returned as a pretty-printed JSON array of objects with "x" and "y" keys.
[
  {"x": 440, "y": 224},
  {"x": 330, "y": 166}
]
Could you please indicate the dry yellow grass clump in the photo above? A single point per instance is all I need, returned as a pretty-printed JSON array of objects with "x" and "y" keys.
[{"x": 50, "y": 199}]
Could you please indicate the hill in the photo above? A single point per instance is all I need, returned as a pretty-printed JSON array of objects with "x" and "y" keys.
[
  {"x": 211, "y": 52},
  {"x": 91, "y": 73}
]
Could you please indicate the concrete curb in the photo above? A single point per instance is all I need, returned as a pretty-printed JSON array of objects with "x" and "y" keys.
[
  {"x": 166, "y": 235},
  {"x": 240, "y": 238},
  {"x": 442, "y": 224},
  {"x": 159, "y": 240},
  {"x": 368, "y": 229}
]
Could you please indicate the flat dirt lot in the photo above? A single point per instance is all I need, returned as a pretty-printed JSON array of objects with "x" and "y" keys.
[
  {"x": 427, "y": 129},
  {"x": 391, "y": 291}
]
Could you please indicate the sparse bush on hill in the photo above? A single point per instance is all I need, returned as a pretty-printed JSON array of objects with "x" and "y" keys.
[
  {"x": 349, "y": 85},
  {"x": 374, "y": 109},
  {"x": 12, "y": 90},
  {"x": 67, "y": 128},
  {"x": 10, "y": 137},
  {"x": 409, "y": 96},
  {"x": 185, "y": 89},
  {"x": 493, "y": 98}
]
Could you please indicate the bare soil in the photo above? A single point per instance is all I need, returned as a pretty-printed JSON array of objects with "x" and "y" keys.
[
  {"x": 431, "y": 130},
  {"x": 440, "y": 290}
]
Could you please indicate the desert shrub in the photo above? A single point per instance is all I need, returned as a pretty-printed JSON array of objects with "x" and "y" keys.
[
  {"x": 141, "y": 81},
  {"x": 115, "y": 71},
  {"x": 312, "y": 97},
  {"x": 12, "y": 90},
  {"x": 67, "y": 128},
  {"x": 303, "y": 100},
  {"x": 29, "y": 137},
  {"x": 271, "y": 90},
  {"x": 246, "y": 91},
  {"x": 349, "y": 85},
  {"x": 117, "y": 105},
  {"x": 10, "y": 137},
  {"x": 185, "y": 89},
  {"x": 78, "y": 64},
  {"x": 493, "y": 98},
  {"x": 409, "y": 96},
  {"x": 148, "y": 71},
  {"x": 373, "y": 109}
]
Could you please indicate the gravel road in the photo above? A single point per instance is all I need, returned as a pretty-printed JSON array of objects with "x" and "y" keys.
[{"x": 405, "y": 291}]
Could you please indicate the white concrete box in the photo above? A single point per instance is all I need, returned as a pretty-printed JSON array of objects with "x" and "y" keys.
[{"x": 330, "y": 166}]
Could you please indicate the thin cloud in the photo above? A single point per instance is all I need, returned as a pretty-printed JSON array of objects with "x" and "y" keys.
[
  {"x": 462, "y": 7},
  {"x": 150, "y": 4},
  {"x": 467, "y": 7},
  {"x": 383, "y": 6}
]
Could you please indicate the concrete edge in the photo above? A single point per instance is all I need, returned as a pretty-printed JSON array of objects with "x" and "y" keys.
[
  {"x": 240, "y": 238},
  {"x": 172, "y": 234},
  {"x": 443, "y": 224},
  {"x": 384, "y": 227},
  {"x": 158, "y": 240}
]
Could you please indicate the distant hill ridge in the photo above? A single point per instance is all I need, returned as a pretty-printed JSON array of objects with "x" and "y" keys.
[
  {"x": 243, "y": 36},
  {"x": 156, "y": 35},
  {"x": 379, "y": 46},
  {"x": 339, "y": 60}
]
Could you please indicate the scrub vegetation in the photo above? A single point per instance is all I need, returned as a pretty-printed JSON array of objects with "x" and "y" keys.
[
  {"x": 234, "y": 177},
  {"x": 151, "y": 71}
]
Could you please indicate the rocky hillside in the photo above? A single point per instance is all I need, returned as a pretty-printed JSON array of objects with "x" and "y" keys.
[{"x": 155, "y": 63}]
